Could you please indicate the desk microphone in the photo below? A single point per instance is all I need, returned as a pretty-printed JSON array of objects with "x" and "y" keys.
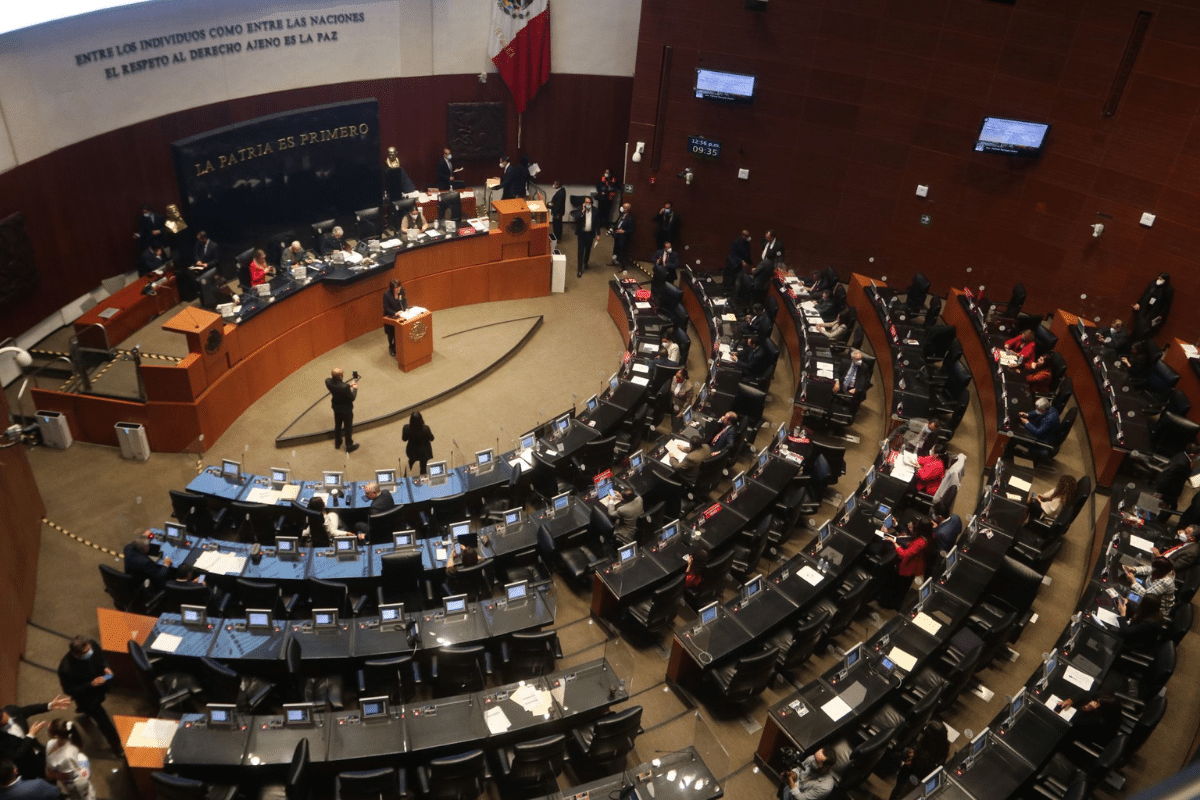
[
  {"x": 459, "y": 449},
  {"x": 690, "y": 752}
]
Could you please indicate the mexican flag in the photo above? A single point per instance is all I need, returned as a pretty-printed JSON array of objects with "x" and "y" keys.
[{"x": 519, "y": 46}]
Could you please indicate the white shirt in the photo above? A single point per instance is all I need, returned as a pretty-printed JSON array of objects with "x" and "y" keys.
[{"x": 587, "y": 219}]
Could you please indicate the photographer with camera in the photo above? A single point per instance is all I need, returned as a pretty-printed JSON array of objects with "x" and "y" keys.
[
  {"x": 811, "y": 779},
  {"x": 341, "y": 396}
]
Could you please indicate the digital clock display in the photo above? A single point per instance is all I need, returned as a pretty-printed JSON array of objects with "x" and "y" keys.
[{"x": 699, "y": 146}]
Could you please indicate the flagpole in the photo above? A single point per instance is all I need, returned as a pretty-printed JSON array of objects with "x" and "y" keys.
[{"x": 518, "y": 130}]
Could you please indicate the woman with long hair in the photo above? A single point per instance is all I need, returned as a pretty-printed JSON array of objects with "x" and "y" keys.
[
  {"x": 1053, "y": 502},
  {"x": 912, "y": 553},
  {"x": 420, "y": 441},
  {"x": 66, "y": 763}
]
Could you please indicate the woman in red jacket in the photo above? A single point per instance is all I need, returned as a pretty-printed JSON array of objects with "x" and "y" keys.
[
  {"x": 1022, "y": 344},
  {"x": 910, "y": 563},
  {"x": 931, "y": 469}
]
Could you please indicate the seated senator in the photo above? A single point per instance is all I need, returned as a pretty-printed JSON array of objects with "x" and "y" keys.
[
  {"x": 260, "y": 271},
  {"x": 854, "y": 378},
  {"x": 1022, "y": 344},
  {"x": 414, "y": 220},
  {"x": 1042, "y": 423}
]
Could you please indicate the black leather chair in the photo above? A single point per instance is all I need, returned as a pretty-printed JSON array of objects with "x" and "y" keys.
[
  {"x": 261, "y": 594},
  {"x": 385, "y": 783},
  {"x": 243, "y": 268},
  {"x": 748, "y": 548},
  {"x": 223, "y": 684},
  {"x": 475, "y": 581},
  {"x": 529, "y": 654},
  {"x": 127, "y": 593},
  {"x": 531, "y": 769},
  {"x": 713, "y": 578},
  {"x": 459, "y": 777},
  {"x": 297, "y": 783},
  {"x": 1059, "y": 778},
  {"x": 657, "y": 612},
  {"x": 855, "y": 763},
  {"x": 1044, "y": 340},
  {"x": 917, "y": 291},
  {"x": 177, "y": 787},
  {"x": 456, "y": 670},
  {"x": 745, "y": 678},
  {"x": 796, "y": 643},
  {"x": 369, "y": 223},
  {"x": 578, "y": 554},
  {"x": 845, "y": 607},
  {"x": 327, "y": 690},
  {"x": 255, "y": 522},
  {"x": 1013, "y": 589},
  {"x": 167, "y": 690},
  {"x": 396, "y": 678},
  {"x": 194, "y": 512},
  {"x": 604, "y": 744},
  {"x": 380, "y": 526},
  {"x": 178, "y": 593},
  {"x": 1141, "y": 687},
  {"x": 333, "y": 594},
  {"x": 402, "y": 580}
]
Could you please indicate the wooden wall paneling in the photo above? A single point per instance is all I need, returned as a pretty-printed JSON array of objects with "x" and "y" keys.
[
  {"x": 471, "y": 285},
  {"x": 173, "y": 427}
]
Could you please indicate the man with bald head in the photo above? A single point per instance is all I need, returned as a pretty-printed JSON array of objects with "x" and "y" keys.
[
  {"x": 381, "y": 501},
  {"x": 341, "y": 396}
]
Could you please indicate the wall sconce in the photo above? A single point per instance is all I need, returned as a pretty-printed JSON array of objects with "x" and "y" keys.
[{"x": 637, "y": 152}]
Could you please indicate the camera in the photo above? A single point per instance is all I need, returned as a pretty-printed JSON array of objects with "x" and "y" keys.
[
  {"x": 790, "y": 758},
  {"x": 354, "y": 375}
]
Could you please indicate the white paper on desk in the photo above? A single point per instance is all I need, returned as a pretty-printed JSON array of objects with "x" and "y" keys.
[
  {"x": 323, "y": 495},
  {"x": 639, "y": 380},
  {"x": 641, "y": 305},
  {"x": 1013, "y": 496},
  {"x": 389, "y": 244},
  {"x": 230, "y": 564},
  {"x": 1019, "y": 484},
  {"x": 642, "y": 368},
  {"x": 532, "y": 700},
  {"x": 810, "y": 575},
  {"x": 1140, "y": 543},
  {"x": 1195, "y": 481},
  {"x": 718, "y": 301},
  {"x": 905, "y": 661},
  {"x": 902, "y": 471},
  {"x": 265, "y": 496},
  {"x": 675, "y": 448},
  {"x": 927, "y": 623},
  {"x": 440, "y": 553},
  {"x": 809, "y": 305},
  {"x": 1067, "y": 713},
  {"x": 152, "y": 733},
  {"x": 824, "y": 371},
  {"x": 836, "y": 708},
  {"x": 480, "y": 225},
  {"x": 525, "y": 460},
  {"x": 1107, "y": 617},
  {"x": 728, "y": 318},
  {"x": 496, "y": 720},
  {"x": 1080, "y": 679},
  {"x": 289, "y": 492},
  {"x": 1190, "y": 350},
  {"x": 166, "y": 642},
  {"x": 208, "y": 561}
]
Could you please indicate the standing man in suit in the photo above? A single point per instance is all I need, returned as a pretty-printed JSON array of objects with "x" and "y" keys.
[
  {"x": 446, "y": 172},
  {"x": 666, "y": 225},
  {"x": 151, "y": 227},
  {"x": 394, "y": 302},
  {"x": 1170, "y": 482},
  {"x": 667, "y": 260},
  {"x": 83, "y": 674},
  {"x": 512, "y": 180},
  {"x": 772, "y": 256},
  {"x": 623, "y": 235},
  {"x": 606, "y": 193},
  {"x": 587, "y": 233},
  {"x": 18, "y": 738},
  {"x": 738, "y": 260},
  {"x": 772, "y": 251},
  {"x": 342, "y": 395},
  {"x": 558, "y": 207}
]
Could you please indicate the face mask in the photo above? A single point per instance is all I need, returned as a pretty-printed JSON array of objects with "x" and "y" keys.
[
  {"x": 667, "y": 249},
  {"x": 1159, "y": 282},
  {"x": 87, "y": 655},
  {"x": 1181, "y": 536}
]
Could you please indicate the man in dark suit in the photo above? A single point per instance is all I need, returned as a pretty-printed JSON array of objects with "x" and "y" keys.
[
  {"x": 853, "y": 379},
  {"x": 558, "y": 207},
  {"x": 738, "y": 260},
  {"x": 14, "y": 786},
  {"x": 331, "y": 241},
  {"x": 758, "y": 322},
  {"x": 1183, "y": 555},
  {"x": 381, "y": 501},
  {"x": 1170, "y": 482},
  {"x": 152, "y": 259},
  {"x": 666, "y": 225},
  {"x": 623, "y": 235},
  {"x": 1115, "y": 336},
  {"x": 668, "y": 260},
  {"x": 341, "y": 396},
  {"x": 151, "y": 228},
  {"x": 446, "y": 172},
  {"x": 587, "y": 233},
  {"x": 141, "y": 566},
  {"x": 725, "y": 437},
  {"x": 754, "y": 360},
  {"x": 606, "y": 193},
  {"x": 512, "y": 180},
  {"x": 772, "y": 257},
  {"x": 83, "y": 674},
  {"x": 689, "y": 467},
  {"x": 18, "y": 738},
  {"x": 205, "y": 253},
  {"x": 772, "y": 250}
]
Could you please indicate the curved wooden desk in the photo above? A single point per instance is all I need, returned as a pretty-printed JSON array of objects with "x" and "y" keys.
[{"x": 223, "y": 376}]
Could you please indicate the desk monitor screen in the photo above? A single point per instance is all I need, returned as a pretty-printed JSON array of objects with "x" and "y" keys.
[
  {"x": 1048, "y": 668},
  {"x": 561, "y": 424},
  {"x": 853, "y": 655},
  {"x": 931, "y": 783},
  {"x": 627, "y": 553},
  {"x": 850, "y": 506},
  {"x": 437, "y": 469},
  {"x": 883, "y": 510},
  {"x": 391, "y": 612},
  {"x": 561, "y": 501},
  {"x": 603, "y": 488},
  {"x": 924, "y": 592},
  {"x": 287, "y": 545},
  {"x": 344, "y": 545},
  {"x": 823, "y": 535},
  {"x": 1014, "y": 708},
  {"x": 980, "y": 742},
  {"x": 739, "y": 481},
  {"x": 752, "y": 587},
  {"x": 221, "y": 715},
  {"x": 703, "y": 395},
  {"x": 460, "y": 529},
  {"x": 484, "y": 457},
  {"x": 324, "y": 618},
  {"x": 762, "y": 460},
  {"x": 385, "y": 477},
  {"x": 527, "y": 440},
  {"x": 454, "y": 604},
  {"x": 231, "y": 469},
  {"x": 333, "y": 477},
  {"x": 258, "y": 618},
  {"x": 512, "y": 516},
  {"x": 708, "y": 614},
  {"x": 592, "y": 403},
  {"x": 175, "y": 532},
  {"x": 373, "y": 707},
  {"x": 516, "y": 591},
  {"x": 403, "y": 538},
  {"x": 280, "y": 475},
  {"x": 614, "y": 381},
  {"x": 668, "y": 533},
  {"x": 193, "y": 616},
  {"x": 951, "y": 560},
  {"x": 635, "y": 460},
  {"x": 870, "y": 479},
  {"x": 781, "y": 433},
  {"x": 297, "y": 714}
]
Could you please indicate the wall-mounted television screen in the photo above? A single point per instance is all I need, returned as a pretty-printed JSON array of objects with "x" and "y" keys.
[
  {"x": 1013, "y": 137},
  {"x": 727, "y": 86}
]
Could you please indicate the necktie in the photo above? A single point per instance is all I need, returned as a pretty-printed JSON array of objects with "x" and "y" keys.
[{"x": 850, "y": 375}]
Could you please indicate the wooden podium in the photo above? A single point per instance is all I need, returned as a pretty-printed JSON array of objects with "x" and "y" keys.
[{"x": 414, "y": 340}]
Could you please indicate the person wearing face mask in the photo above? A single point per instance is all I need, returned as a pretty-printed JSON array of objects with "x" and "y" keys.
[
  {"x": 1184, "y": 554},
  {"x": 666, "y": 226},
  {"x": 667, "y": 260},
  {"x": 623, "y": 235},
  {"x": 606, "y": 193},
  {"x": 446, "y": 172},
  {"x": 558, "y": 206},
  {"x": 513, "y": 179},
  {"x": 738, "y": 260},
  {"x": 150, "y": 229},
  {"x": 414, "y": 220},
  {"x": 1150, "y": 311},
  {"x": 395, "y": 302},
  {"x": 84, "y": 674},
  {"x": 587, "y": 233}
]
